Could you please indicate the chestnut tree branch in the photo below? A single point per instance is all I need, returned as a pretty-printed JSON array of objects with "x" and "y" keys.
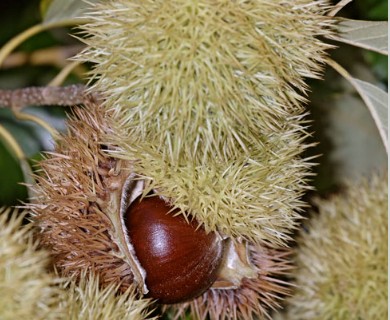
[{"x": 17, "y": 99}]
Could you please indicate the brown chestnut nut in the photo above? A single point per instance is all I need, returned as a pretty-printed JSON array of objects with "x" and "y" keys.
[{"x": 181, "y": 260}]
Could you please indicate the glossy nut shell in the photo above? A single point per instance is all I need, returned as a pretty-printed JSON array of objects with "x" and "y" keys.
[{"x": 180, "y": 259}]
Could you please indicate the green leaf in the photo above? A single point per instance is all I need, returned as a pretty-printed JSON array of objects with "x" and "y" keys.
[
  {"x": 374, "y": 98},
  {"x": 376, "y": 101},
  {"x": 11, "y": 190},
  {"x": 44, "y": 6},
  {"x": 371, "y": 35},
  {"x": 355, "y": 148},
  {"x": 69, "y": 11}
]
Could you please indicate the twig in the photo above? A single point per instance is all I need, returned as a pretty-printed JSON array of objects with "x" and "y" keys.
[{"x": 17, "y": 99}]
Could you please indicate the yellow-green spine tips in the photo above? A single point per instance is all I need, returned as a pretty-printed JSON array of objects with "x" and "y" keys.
[
  {"x": 87, "y": 300},
  {"x": 342, "y": 258},
  {"x": 206, "y": 102},
  {"x": 27, "y": 290},
  {"x": 201, "y": 80}
]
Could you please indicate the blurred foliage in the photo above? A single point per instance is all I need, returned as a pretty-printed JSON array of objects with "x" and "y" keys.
[
  {"x": 12, "y": 176},
  {"x": 348, "y": 142},
  {"x": 344, "y": 152},
  {"x": 371, "y": 9},
  {"x": 376, "y": 10},
  {"x": 17, "y": 16}
]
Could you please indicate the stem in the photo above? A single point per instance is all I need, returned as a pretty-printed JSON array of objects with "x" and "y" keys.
[
  {"x": 54, "y": 55},
  {"x": 61, "y": 76},
  {"x": 12, "y": 143},
  {"x": 17, "y": 151},
  {"x": 338, "y": 7},
  {"x": 29, "y": 117},
  {"x": 14, "y": 42},
  {"x": 20, "y": 38}
]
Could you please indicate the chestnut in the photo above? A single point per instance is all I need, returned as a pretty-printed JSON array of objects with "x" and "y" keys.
[{"x": 181, "y": 260}]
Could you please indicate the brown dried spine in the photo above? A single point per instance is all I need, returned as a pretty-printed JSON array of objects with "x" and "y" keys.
[
  {"x": 83, "y": 197},
  {"x": 76, "y": 188}
]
